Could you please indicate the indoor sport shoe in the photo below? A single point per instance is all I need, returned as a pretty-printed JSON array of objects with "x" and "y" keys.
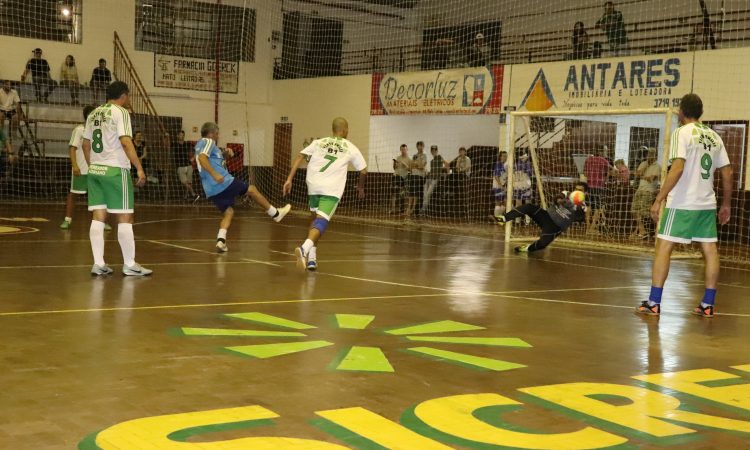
[
  {"x": 107, "y": 227},
  {"x": 282, "y": 212},
  {"x": 65, "y": 225},
  {"x": 522, "y": 249},
  {"x": 312, "y": 265},
  {"x": 136, "y": 271},
  {"x": 708, "y": 311},
  {"x": 221, "y": 247},
  {"x": 645, "y": 308},
  {"x": 500, "y": 220},
  {"x": 301, "y": 258},
  {"x": 101, "y": 270}
]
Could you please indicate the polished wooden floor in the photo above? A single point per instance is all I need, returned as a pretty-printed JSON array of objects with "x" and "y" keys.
[{"x": 367, "y": 353}]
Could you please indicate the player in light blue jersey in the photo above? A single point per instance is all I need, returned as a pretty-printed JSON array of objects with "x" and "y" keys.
[{"x": 221, "y": 187}]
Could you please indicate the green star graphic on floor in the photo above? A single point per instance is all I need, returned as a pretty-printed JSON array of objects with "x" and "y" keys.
[{"x": 364, "y": 358}]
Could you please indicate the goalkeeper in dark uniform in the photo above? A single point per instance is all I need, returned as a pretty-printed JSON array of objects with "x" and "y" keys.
[{"x": 553, "y": 221}]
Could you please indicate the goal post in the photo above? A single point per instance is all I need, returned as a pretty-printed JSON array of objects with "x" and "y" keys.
[{"x": 554, "y": 147}]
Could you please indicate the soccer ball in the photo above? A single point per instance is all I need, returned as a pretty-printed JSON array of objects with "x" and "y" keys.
[{"x": 577, "y": 197}]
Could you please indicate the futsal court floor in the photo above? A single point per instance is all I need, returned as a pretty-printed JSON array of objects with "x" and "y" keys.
[{"x": 405, "y": 339}]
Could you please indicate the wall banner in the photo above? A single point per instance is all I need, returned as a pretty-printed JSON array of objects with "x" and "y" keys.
[
  {"x": 196, "y": 74},
  {"x": 465, "y": 91}
]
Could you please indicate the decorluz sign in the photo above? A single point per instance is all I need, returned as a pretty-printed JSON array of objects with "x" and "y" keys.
[
  {"x": 195, "y": 73},
  {"x": 460, "y": 91},
  {"x": 657, "y": 82}
]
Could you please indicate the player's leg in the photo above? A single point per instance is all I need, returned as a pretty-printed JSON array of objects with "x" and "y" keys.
[
  {"x": 704, "y": 231},
  {"x": 120, "y": 201},
  {"x": 529, "y": 209},
  {"x": 323, "y": 206},
  {"x": 221, "y": 237},
  {"x": 98, "y": 208},
  {"x": 549, "y": 229},
  {"x": 276, "y": 214}
]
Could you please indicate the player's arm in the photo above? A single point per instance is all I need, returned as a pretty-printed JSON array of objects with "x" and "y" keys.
[
  {"x": 295, "y": 166},
  {"x": 727, "y": 182},
  {"x": 206, "y": 165},
  {"x": 127, "y": 145},
  {"x": 73, "y": 162}
]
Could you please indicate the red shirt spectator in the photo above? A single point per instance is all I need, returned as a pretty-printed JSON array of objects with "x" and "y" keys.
[{"x": 596, "y": 169}]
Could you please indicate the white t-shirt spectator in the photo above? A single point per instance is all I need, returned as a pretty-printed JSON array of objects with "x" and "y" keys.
[
  {"x": 703, "y": 152},
  {"x": 9, "y": 100},
  {"x": 329, "y": 164},
  {"x": 649, "y": 170}
]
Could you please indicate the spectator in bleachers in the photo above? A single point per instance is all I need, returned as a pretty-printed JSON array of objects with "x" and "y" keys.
[
  {"x": 10, "y": 104},
  {"x": 580, "y": 42},
  {"x": 141, "y": 150},
  {"x": 183, "y": 157},
  {"x": 69, "y": 78},
  {"x": 401, "y": 170},
  {"x": 100, "y": 79},
  {"x": 438, "y": 167},
  {"x": 416, "y": 179},
  {"x": 478, "y": 54},
  {"x": 621, "y": 172},
  {"x": 39, "y": 69},
  {"x": 459, "y": 177},
  {"x": 500, "y": 183},
  {"x": 596, "y": 168},
  {"x": 613, "y": 25},
  {"x": 648, "y": 173}
]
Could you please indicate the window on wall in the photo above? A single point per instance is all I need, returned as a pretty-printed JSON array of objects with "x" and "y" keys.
[
  {"x": 195, "y": 29},
  {"x": 49, "y": 20}
]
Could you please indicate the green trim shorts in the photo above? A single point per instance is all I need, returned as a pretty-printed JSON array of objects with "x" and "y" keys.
[
  {"x": 323, "y": 205},
  {"x": 684, "y": 226},
  {"x": 110, "y": 188},
  {"x": 79, "y": 184}
]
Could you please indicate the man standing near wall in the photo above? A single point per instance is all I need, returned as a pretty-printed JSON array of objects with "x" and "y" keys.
[{"x": 690, "y": 214}]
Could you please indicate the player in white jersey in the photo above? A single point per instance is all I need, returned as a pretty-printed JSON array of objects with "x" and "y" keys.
[
  {"x": 78, "y": 170},
  {"x": 690, "y": 214},
  {"x": 109, "y": 151},
  {"x": 328, "y": 162}
]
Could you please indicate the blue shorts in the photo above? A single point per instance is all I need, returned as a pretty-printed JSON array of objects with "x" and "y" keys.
[{"x": 225, "y": 199}]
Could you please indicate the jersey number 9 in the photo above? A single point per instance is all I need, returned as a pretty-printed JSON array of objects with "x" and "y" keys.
[{"x": 706, "y": 164}]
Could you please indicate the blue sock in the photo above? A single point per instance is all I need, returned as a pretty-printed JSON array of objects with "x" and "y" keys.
[
  {"x": 655, "y": 297},
  {"x": 708, "y": 297}
]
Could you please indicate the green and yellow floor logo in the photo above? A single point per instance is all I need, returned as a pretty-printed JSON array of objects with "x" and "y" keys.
[{"x": 364, "y": 358}]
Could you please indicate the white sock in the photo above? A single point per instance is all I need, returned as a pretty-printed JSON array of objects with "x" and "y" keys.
[
  {"x": 96, "y": 235},
  {"x": 498, "y": 211},
  {"x": 69, "y": 219},
  {"x": 222, "y": 234},
  {"x": 272, "y": 211},
  {"x": 307, "y": 245},
  {"x": 127, "y": 243},
  {"x": 312, "y": 255}
]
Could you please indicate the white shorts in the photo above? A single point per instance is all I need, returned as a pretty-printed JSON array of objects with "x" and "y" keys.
[{"x": 185, "y": 174}]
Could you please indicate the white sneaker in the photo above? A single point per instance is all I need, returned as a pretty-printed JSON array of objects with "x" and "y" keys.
[
  {"x": 282, "y": 212},
  {"x": 312, "y": 265},
  {"x": 301, "y": 258},
  {"x": 101, "y": 270},
  {"x": 221, "y": 247},
  {"x": 136, "y": 271}
]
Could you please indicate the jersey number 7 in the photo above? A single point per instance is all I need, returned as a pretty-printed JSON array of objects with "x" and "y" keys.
[{"x": 331, "y": 160}]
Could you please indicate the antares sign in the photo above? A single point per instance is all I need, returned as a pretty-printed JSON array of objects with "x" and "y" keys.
[
  {"x": 460, "y": 91},
  {"x": 657, "y": 82},
  {"x": 617, "y": 412},
  {"x": 195, "y": 73}
]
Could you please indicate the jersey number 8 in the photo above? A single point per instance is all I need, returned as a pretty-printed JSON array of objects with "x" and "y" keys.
[{"x": 97, "y": 144}]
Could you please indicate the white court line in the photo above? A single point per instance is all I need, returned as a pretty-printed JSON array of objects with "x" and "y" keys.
[{"x": 211, "y": 253}]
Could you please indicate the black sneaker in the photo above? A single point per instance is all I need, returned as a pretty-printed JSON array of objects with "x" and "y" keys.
[
  {"x": 647, "y": 309},
  {"x": 702, "y": 311}
]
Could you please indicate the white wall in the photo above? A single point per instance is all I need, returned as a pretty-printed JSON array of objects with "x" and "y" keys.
[{"x": 387, "y": 133}]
